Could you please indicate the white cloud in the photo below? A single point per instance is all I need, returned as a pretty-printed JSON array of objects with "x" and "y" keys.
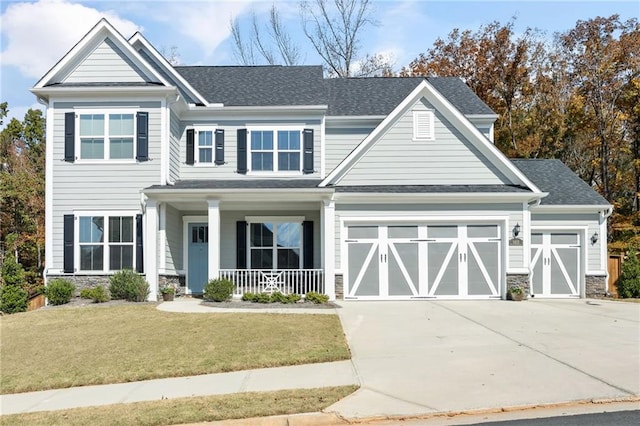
[{"x": 39, "y": 34}]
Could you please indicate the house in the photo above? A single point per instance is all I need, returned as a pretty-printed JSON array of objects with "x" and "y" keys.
[{"x": 280, "y": 179}]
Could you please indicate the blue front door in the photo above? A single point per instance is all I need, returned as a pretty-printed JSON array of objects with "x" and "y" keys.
[{"x": 198, "y": 254}]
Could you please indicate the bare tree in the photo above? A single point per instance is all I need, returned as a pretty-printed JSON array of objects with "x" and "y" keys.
[
  {"x": 335, "y": 33},
  {"x": 172, "y": 55},
  {"x": 260, "y": 46}
]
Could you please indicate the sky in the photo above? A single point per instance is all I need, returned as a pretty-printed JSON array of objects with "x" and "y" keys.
[{"x": 34, "y": 35}]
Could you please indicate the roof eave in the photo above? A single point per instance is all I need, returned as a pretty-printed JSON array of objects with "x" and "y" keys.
[
  {"x": 588, "y": 208},
  {"x": 88, "y": 90},
  {"x": 453, "y": 197}
]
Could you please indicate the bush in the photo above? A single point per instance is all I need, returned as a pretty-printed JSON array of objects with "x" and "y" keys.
[
  {"x": 12, "y": 299},
  {"x": 12, "y": 273},
  {"x": 249, "y": 297},
  {"x": 316, "y": 298},
  {"x": 629, "y": 282},
  {"x": 128, "y": 285},
  {"x": 97, "y": 294},
  {"x": 262, "y": 298},
  {"x": 278, "y": 297},
  {"x": 59, "y": 291},
  {"x": 218, "y": 290}
]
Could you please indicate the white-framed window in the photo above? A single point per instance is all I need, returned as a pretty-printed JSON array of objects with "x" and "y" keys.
[
  {"x": 106, "y": 135},
  {"x": 423, "y": 125},
  {"x": 205, "y": 138},
  {"x": 275, "y": 243},
  {"x": 275, "y": 150},
  {"x": 105, "y": 241}
]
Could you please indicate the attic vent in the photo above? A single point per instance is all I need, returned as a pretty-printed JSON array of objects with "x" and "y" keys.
[{"x": 423, "y": 125}]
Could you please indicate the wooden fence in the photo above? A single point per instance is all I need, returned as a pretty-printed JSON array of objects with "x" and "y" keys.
[
  {"x": 614, "y": 264},
  {"x": 36, "y": 302}
]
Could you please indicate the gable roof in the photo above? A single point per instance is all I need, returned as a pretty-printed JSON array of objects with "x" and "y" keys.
[
  {"x": 257, "y": 85},
  {"x": 380, "y": 95},
  {"x": 564, "y": 186}
]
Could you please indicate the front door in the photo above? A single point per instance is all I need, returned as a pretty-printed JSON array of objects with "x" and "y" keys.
[
  {"x": 555, "y": 260},
  {"x": 198, "y": 255}
]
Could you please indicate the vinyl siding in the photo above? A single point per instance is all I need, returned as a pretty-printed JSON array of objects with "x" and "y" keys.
[
  {"x": 592, "y": 221},
  {"x": 173, "y": 250},
  {"x": 175, "y": 133},
  {"x": 339, "y": 142},
  {"x": 106, "y": 64},
  {"x": 228, "y": 170},
  {"x": 395, "y": 158},
  {"x": 103, "y": 186}
]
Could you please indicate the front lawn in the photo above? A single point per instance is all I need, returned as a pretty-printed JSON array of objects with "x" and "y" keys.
[{"x": 64, "y": 347}]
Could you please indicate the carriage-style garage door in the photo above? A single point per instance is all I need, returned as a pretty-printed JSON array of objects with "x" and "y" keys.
[
  {"x": 423, "y": 261},
  {"x": 555, "y": 260}
]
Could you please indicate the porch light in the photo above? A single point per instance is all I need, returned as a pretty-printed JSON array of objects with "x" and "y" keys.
[
  {"x": 516, "y": 230},
  {"x": 594, "y": 237}
]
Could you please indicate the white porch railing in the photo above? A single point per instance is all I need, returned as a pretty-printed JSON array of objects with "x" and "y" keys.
[{"x": 286, "y": 281}]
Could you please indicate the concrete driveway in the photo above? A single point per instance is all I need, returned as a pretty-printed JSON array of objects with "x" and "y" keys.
[{"x": 421, "y": 357}]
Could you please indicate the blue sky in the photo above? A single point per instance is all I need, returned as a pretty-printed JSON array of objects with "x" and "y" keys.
[{"x": 36, "y": 34}]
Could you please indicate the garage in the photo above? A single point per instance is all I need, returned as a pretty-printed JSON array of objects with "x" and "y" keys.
[
  {"x": 423, "y": 261},
  {"x": 555, "y": 260}
]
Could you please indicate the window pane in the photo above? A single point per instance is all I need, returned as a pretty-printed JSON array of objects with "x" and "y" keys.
[
  {"x": 261, "y": 140},
  {"x": 120, "y": 257},
  {"x": 288, "y": 140},
  {"x": 91, "y": 229},
  {"x": 289, "y": 161},
  {"x": 261, "y": 258},
  {"x": 127, "y": 229},
  {"x": 288, "y": 258},
  {"x": 205, "y": 155},
  {"x": 114, "y": 230},
  {"x": 121, "y": 125},
  {"x": 289, "y": 234},
  {"x": 262, "y": 161},
  {"x": 205, "y": 138},
  {"x": 92, "y": 125},
  {"x": 121, "y": 148},
  {"x": 92, "y": 148},
  {"x": 91, "y": 258},
  {"x": 261, "y": 235}
]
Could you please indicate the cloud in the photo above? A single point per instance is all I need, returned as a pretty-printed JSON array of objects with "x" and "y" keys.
[{"x": 38, "y": 34}]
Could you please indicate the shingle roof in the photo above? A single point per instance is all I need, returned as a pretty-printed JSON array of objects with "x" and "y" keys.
[
  {"x": 257, "y": 85},
  {"x": 241, "y": 184},
  {"x": 305, "y": 85},
  {"x": 564, "y": 186}
]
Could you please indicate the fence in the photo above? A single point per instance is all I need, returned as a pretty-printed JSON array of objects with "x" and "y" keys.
[{"x": 299, "y": 281}]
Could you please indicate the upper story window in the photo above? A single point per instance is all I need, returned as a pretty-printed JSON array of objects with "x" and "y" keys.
[
  {"x": 106, "y": 135},
  {"x": 275, "y": 150},
  {"x": 423, "y": 125},
  {"x": 205, "y": 146}
]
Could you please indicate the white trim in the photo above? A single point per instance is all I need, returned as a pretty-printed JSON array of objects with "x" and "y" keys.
[
  {"x": 275, "y": 150},
  {"x": 213, "y": 251},
  {"x": 425, "y": 89},
  {"x": 164, "y": 142},
  {"x": 186, "y": 221},
  {"x": 102, "y": 30},
  {"x": 162, "y": 236},
  {"x": 419, "y": 118},
  {"x": 328, "y": 235},
  {"x": 323, "y": 149},
  {"x": 275, "y": 220},
  {"x": 48, "y": 198},
  {"x": 105, "y": 112},
  {"x": 151, "y": 247},
  {"x": 577, "y": 208},
  {"x": 526, "y": 235},
  {"x": 197, "y": 128}
]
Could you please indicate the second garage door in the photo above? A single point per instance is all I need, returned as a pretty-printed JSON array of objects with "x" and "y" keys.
[{"x": 423, "y": 261}]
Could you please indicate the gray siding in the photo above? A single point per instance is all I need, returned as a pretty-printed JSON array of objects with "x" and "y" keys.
[
  {"x": 449, "y": 159},
  {"x": 175, "y": 133},
  {"x": 106, "y": 64},
  {"x": 104, "y": 186},
  {"x": 339, "y": 142},
  {"x": 228, "y": 170},
  {"x": 592, "y": 221},
  {"x": 173, "y": 251}
]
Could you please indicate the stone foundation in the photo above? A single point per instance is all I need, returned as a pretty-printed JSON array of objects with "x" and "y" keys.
[
  {"x": 520, "y": 280},
  {"x": 84, "y": 281},
  {"x": 595, "y": 285},
  {"x": 339, "y": 287}
]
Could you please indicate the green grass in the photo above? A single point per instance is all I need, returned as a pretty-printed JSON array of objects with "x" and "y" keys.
[
  {"x": 190, "y": 410},
  {"x": 65, "y": 347}
]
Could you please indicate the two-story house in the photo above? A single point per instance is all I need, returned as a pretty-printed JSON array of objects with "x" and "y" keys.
[{"x": 281, "y": 179}]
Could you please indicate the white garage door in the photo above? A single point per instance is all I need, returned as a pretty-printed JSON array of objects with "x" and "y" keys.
[
  {"x": 555, "y": 260},
  {"x": 423, "y": 261}
]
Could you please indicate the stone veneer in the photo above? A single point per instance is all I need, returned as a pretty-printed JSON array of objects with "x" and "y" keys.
[
  {"x": 521, "y": 280},
  {"x": 595, "y": 285},
  {"x": 339, "y": 287},
  {"x": 84, "y": 281}
]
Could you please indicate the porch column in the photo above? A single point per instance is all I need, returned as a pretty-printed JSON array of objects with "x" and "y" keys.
[
  {"x": 328, "y": 237},
  {"x": 214, "y": 239},
  {"x": 151, "y": 247}
]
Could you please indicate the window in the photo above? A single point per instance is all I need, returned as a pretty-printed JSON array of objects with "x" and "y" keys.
[
  {"x": 275, "y": 150},
  {"x": 116, "y": 253},
  {"x": 275, "y": 245},
  {"x": 106, "y": 136},
  {"x": 205, "y": 146},
  {"x": 423, "y": 125}
]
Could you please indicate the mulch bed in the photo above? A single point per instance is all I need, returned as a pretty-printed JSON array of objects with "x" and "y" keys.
[{"x": 239, "y": 304}]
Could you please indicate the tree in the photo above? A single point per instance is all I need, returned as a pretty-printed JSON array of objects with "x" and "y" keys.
[{"x": 629, "y": 281}]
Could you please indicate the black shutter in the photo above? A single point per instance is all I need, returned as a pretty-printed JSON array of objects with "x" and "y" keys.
[
  {"x": 307, "y": 244},
  {"x": 68, "y": 244},
  {"x": 142, "y": 141},
  {"x": 241, "y": 244},
  {"x": 69, "y": 136},
  {"x": 307, "y": 151},
  {"x": 219, "y": 160},
  {"x": 139, "y": 245},
  {"x": 242, "y": 151},
  {"x": 191, "y": 136}
]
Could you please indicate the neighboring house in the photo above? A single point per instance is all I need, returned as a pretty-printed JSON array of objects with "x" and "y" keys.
[{"x": 280, "y": 179}]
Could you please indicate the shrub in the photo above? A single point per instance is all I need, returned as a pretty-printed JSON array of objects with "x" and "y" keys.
[
  {"x": 316, "y": 298},
  {"x": 218, "y": 290},
  {"x": 12, "y": 299},
  {"x": 60, "y": 291},
  {"x": 249, "y": 297},
  {"x": 262, "y": 298},
  {"x": 293, "y": 298},
  {"x": 128, "y": 285},
  {"x": 629, "y": 281},
  {"x": 97, "y": 294},
  {"x": 12, "y": 273},
  {"x": 278, "y": 297}
]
